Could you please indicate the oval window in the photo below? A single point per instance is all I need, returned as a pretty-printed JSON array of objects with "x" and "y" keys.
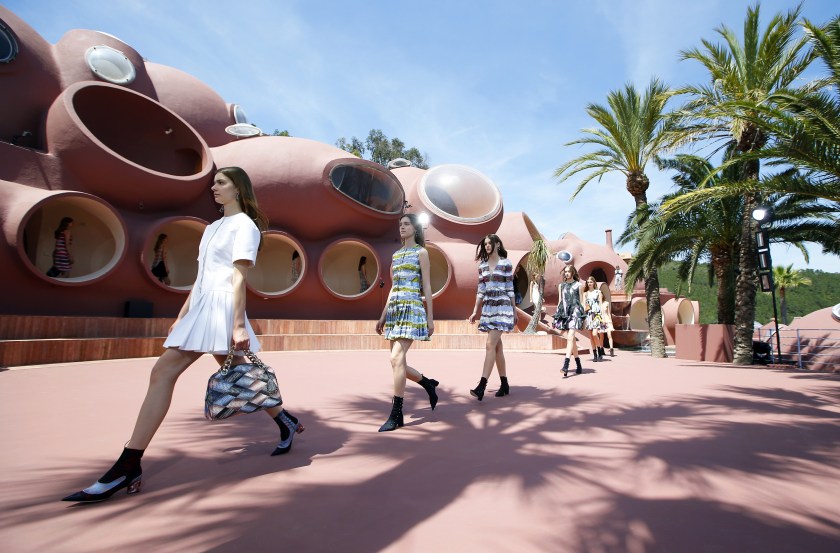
[
  {"x": 460, "y": 193},
  {"x": 370, "y": 186},
  {"x": 110, "y": 64},
  {"x": 564, "y": 256},
  {"x": 8, "y": 44},
  {"x": 239, "y": 114}
]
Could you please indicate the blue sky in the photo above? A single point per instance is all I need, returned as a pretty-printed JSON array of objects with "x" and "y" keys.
[{"x": 500, "y": 86}]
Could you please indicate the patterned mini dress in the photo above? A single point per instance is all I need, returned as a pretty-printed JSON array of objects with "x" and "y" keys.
[
  {"x": 594, "y": 317},
  {"x": 569, "y": 314},
  {"x": 61, "y": 254},
  {"x": 405, "y": 316},
  {"x": 496, "y": 289}
]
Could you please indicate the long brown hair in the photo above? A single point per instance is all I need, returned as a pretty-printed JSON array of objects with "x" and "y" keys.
[
  {"x": 481, "y": 253},
  {"x": 419, "y": 238},
  {"x": 247, "y": 199},
  {"x": 161, "y": 237},
  {"x": 62, "y": 226},
  {"x": 575, "y": 275}
]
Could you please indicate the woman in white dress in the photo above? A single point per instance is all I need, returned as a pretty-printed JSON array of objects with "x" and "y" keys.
[{"x": 211, "y": 320}]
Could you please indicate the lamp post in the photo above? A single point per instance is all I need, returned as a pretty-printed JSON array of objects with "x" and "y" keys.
[{"x": 764, "y": 217}]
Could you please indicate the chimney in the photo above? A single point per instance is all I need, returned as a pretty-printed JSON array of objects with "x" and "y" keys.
[{"x": 609, "y": 239}]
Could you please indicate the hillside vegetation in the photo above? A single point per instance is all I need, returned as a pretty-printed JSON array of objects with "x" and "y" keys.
[{"x": 823, "y": 292}]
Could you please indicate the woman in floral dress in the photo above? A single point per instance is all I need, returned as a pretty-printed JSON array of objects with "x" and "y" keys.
[
  {"x": 569, "y": 314},
  {"x": 595, "y": 321},
  {"x": 404, "y": 318},
  {"x": 495, "y": 299}
]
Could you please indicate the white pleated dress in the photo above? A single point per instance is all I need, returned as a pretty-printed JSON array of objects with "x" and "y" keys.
[{"x": 208, "y": 325}]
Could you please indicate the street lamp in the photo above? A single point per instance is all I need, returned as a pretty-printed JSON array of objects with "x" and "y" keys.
[{"x": 764, "y": 217}]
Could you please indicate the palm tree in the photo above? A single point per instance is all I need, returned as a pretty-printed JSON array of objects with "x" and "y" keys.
[
  {"x": 709, "y": 231},
  {"x": 742, "y": 76},
  {"x": 786, "y": 278},
  {"x": 632, "y": 133},
  {"x": 537, "y": 260}
]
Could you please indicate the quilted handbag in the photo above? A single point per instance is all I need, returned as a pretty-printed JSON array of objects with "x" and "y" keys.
[{"x": 239, "y": 389}]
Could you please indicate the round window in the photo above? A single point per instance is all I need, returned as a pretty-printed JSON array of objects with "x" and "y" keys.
[
  {"x": 110, "y": 64},
  {"x": 460, "y": 193},
  {"x": 8, "y": 44}
]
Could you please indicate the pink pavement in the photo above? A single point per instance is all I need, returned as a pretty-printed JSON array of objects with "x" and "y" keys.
[{"x": 637, "y": 454}]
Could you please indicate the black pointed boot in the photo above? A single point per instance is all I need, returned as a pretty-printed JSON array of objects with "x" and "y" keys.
[
  {"x": 579, "y": 369},
  {"x": 504, "y": 389},
  {"x": 478, "y": 391},
  {"x": 594, "y": 355},
  {"x": 395, "y": 419},
  {"x": 566, "y": 367},
  {"x": 429, "y": 384},
  {"x": 600, "y": 353},
  {"x": 125, "y": 473}
]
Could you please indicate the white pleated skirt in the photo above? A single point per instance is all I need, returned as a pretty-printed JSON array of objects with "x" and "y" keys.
[{"x": 208, "y": 325}]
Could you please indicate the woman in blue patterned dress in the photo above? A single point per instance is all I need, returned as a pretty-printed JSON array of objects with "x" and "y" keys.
[
  {"x": 404, "y": 319},
  {"x": 569, "y": 314},
  {"x": 495, "y": 299}
]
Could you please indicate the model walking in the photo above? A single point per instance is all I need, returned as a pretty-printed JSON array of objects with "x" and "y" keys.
[
  {"x": 159, "y": 267},
  {"x": 495, "y": 299},
  {"x": 595, "y": 317},
  {"x": 212, "y": 319},
  {"x": 404, "y": 319},
  {"x": 569, "y": 314}
]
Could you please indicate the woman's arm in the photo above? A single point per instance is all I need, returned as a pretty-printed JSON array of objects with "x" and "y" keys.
[
  {"x": 181, "y": 314},
  {"x": 511, "y": 293},
  {"x": 241, "y": 340},
  {"x": 380, "y": 324},
  {"x": 427, "y": 288}
]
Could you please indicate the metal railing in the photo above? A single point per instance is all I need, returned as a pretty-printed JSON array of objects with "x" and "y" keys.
[{"x": 808, "y": 348}]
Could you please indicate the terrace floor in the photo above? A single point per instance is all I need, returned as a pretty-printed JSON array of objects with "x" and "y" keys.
[{"x": 635, "y": 455}]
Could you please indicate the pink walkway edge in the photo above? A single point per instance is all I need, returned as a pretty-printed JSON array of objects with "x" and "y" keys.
[{"x": 637, "y": 454}]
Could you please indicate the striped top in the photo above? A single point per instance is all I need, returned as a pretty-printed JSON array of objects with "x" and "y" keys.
[
  {"x": 496, "y": 289},
  {"x": 405, "y": 316}
]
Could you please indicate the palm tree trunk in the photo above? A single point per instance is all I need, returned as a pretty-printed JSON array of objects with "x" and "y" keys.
[
  {"x": 535, "y": 319},
  {"x": 654, "y": 307},
  {"x": 654, "y": 314},
  {"x": 722, "y": 261},
  {"x": 745, "y": 283}
]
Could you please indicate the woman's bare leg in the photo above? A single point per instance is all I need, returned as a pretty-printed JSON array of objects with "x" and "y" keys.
[
  {"x": 491, "y": 357},
  {"x": 165, "y": 373},
  {"x": 501, "y": 364},
  {"x": 399, "y": 349}
]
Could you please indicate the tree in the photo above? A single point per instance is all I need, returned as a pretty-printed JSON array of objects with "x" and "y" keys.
[
  {"x": 278, "y": 132},
  {"x": 537, "y": 259},
  {"x": 708, "y": 231},
  {"x": 632, "y": 132},
  {"x": 742, "y": 76},
  {"x": 711, "y": 230},
  {"x": 786, "y": 278},
  {"x": 380, "y": 149}
]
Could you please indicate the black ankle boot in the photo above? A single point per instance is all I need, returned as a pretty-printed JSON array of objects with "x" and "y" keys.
[
  {"x": 600, "y": 354},
  {"x": 125, "y": 473},
  {"x": 504, "y": 389},
  {"x": 612, "y": 352},
  {"x": 289, "y": 426},
  {"x": 566, "y": 367},
  {"x": 594, "y": 355},
  {"x": 395, "y": 419},
  {"x": 429, "y": 384},
  {"x": 478, "y": 391},
  {"x": 579, "y": 369}
]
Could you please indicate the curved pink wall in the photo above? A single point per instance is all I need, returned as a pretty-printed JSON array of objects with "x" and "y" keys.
[{"x": 131, "y": 161}]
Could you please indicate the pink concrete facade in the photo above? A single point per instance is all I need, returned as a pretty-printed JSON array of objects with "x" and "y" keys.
[{"x": 131, "y": 156}]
